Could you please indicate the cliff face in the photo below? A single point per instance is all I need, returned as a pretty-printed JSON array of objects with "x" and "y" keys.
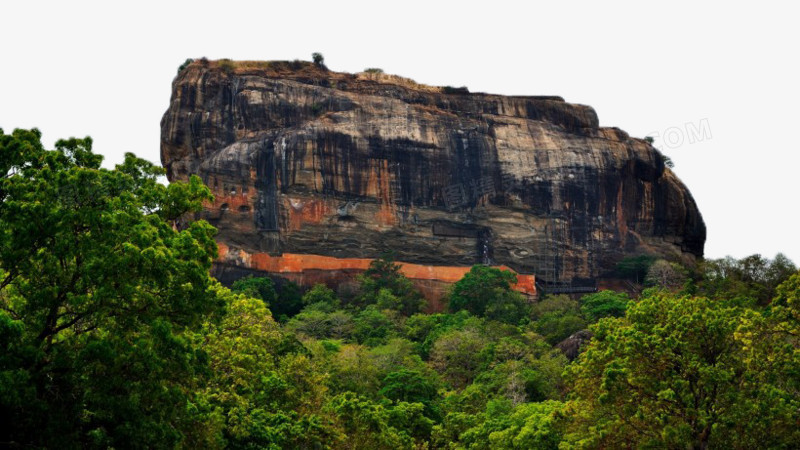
[{"x": 304, "y": 161}]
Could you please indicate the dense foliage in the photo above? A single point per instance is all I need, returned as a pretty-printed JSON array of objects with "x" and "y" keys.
[
  {"x": 98, "y": 293},
  {"x": 683, "y": 371},
  {"x": 112, "y": 334}
]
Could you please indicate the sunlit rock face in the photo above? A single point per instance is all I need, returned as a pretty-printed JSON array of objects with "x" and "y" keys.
[{"x": 306, "y": 161}]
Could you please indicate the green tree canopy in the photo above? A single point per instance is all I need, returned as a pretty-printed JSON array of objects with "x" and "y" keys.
[
  {"x": 318, "y": 59},
  {"x": 384, "y": 282},
  {"x": 526, "y": 426},
  {"x": 753, "y": 277},
  {"x": 409, "y": 386},
  {"x": 486, "y": 292},
  {"x": 283, "y": 304},
  {"x": 556, "y": 317},
  {"x": 604, "y": 304},
  {"x": 97, "y": 290},
  {"x": 321, "y": 294},
  {"x": 261, "y": 394},
  {"x": 682, "y": 372},
  {"x": 261, "y": 288}
]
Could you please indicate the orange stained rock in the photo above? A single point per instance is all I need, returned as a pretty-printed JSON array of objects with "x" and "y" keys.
[
  {"x": 292, "y": 263},
  {"x": 526, "y": 284},
  {"x": 232, "y": 198},
  {"x": 232, "y": 201},
  {"x": 306, "y": 211}
]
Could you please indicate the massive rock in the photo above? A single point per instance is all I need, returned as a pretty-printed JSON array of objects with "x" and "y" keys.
[{"x": 305, "y": 161}]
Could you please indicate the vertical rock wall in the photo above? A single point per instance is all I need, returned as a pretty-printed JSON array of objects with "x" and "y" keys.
[{"x": 307, "y": 161}]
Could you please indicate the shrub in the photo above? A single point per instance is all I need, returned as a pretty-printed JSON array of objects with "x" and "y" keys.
[
  {"x": 318, "y": 59},
  {"x": 226, "y": 65},
  {"x": 185, "y": 64},
  {"x": 373, "y": 70}
]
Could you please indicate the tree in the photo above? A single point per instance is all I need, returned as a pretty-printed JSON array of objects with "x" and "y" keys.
[
  {"x": 486, "y": 292},
  {"x": 557, "y": 326},
  {"x": 185, "y": 64},
  {"x": 425, "y": 329},
  {"x": 352, "y": 370},
  {"x": 412, "y": 386},
  {"x": 366, "y": 423},
  {"x": 528, "y": 425},
  {"x": 98, "y": 292},
  {"x": 322, "y": 295},
  {"x": 384, "y": 281},
  {"x": 318, "y": 59},
  {"x": 289, "y": 303},
  {"x": 458, "y": 356},
  {"x": 372, "y": 326},
  {"x": 523, "y": 368},
  {"x": 396, "y": 354},
  {"x": 556, "y": 317},
  {"x": 780, "y": 269},
  {"x": 321, "y": 324},
  {"x": 261, "y": 288},
  {"x": 682, "y": 372},
  {"x": 750, "y": 278},
  {"x": 788, "y": 296},
  {"x": 666, "y": 275},
  {"x": 259, "y": 395},
  {"x": 604, "y": 304},
  {"x": 283, "y": 304},
  {"x": 634, "y": 268},
  {"x": 770, "y": 343}
]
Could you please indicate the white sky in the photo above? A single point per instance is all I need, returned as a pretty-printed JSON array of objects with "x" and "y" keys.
[{"x": 100, "y": 69}]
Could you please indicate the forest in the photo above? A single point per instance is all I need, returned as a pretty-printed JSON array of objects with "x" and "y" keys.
[{"x": 113, "y": 334}]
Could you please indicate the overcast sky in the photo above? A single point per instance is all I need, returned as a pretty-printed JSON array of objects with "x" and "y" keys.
[{"x": 717, "y": 83}]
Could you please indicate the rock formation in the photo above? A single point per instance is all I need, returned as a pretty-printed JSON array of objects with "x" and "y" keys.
[
  {"x": 305, "y": 161},
  {"x": 572, "y": 346}
]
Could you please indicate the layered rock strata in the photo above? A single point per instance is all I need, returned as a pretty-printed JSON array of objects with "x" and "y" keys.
[{"x": 305, "y": 161}]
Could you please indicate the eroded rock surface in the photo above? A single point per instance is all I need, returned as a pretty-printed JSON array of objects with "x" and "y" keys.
[
  {"x": 574, "y": 344},
  {"x": 307, "y": 161}
]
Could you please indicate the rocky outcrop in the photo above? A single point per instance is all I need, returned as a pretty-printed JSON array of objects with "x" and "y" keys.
[
  {"x": 306, "y": 161},
  {"x": 574, "y": 344}
]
